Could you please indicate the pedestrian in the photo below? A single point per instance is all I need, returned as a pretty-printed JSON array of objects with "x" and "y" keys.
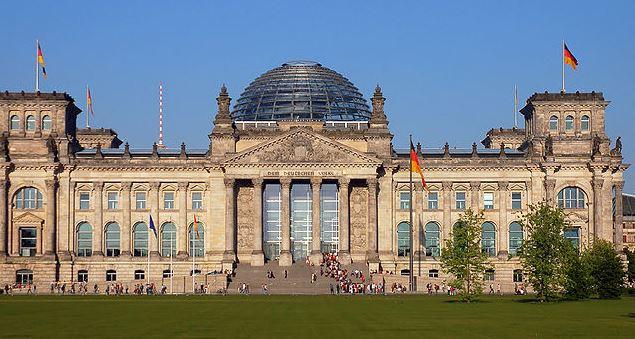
[
  {"x": 498, "y": 289},
  {"x": 286, "y": 274}
]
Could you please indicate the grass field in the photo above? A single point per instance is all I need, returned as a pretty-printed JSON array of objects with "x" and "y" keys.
[{"x": 310, "y": 317}]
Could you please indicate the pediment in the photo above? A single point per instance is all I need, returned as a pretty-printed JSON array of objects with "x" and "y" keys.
[
  {"x": 28, "y": 218},
  {"x": 301, "y": 147}
]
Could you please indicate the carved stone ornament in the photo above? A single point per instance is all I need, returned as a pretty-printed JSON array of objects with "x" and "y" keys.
[
  {"x": 245, "y": 236},
  {"x": 358, "y": 215}
]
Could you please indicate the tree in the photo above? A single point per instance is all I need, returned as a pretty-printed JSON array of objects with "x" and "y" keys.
[
  {"x": 607, "y": 270},
  {"x": 630, "y": 256},
  {"x": 578, "y": 281},
  {"x": 545, "y": 252},
  {"x": 463, "y": 258}
]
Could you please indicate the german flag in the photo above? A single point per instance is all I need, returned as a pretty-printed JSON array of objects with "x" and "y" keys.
[
  {"x": 415, "y": 166},
  {"x": 569, "y": 58},
  {"x": 195, "y": 227},
  {"x": 40, "y": 60},
  {"x": 89, "y": 101}
]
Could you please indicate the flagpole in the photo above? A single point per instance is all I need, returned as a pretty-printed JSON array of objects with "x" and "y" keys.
[
  {"x": 148, "y": 251},
  {"x": 515, "y": 106},
  {"x": 37, "y": 67},
  {"x": 193, "y": 253},
  {"x": 411, "y": 262},
  {"x": 562, "y": 56},
  {"x": 171, "y": 269},
  {"x": 87, "y": 108}
]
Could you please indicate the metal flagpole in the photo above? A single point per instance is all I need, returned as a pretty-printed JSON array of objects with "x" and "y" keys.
[
  {"x": 193, "y": 253},
  {"x": 411, "y": 261},
  {"x": 562, "y": 56},
  {"x": 515, "y": 106},
  {"x": 148, "y": 251},
  {"x": 87, "y": 109},
  {"x": 37, "y": 67},
  {"x": 171, "y": 269}
]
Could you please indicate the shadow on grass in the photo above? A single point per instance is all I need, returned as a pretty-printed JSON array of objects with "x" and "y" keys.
[{"x": 477, "y": 301}]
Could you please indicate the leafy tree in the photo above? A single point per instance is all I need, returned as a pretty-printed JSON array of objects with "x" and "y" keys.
[
  {"x": 606, "y": 268},
  {"x": 630, "y": 256},
  {"x": 545, "y": 252},
  {"x": 578, "y": 282},
  {"x": 463, "y": 258}
]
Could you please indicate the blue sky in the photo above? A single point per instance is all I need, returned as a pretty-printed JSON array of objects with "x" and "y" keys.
[{"x": 447, "y": 69}]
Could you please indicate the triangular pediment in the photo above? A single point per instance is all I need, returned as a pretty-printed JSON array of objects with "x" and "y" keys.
[
  {"x": 301, "y": 147},
  {"x": 28, "y": 218}
]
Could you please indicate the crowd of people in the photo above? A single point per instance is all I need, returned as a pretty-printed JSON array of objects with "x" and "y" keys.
[{"x": 330, "y": 267}]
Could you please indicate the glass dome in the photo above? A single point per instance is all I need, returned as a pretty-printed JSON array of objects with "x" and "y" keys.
[{"x": 301, "y": 90}]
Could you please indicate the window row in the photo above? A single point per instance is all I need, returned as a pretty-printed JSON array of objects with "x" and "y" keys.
[
  {"x": 516, "y": 200},
  {"x": 111, "y": 275},
  {"x": 488, "y": 275},
  {"x": 569, "y": 123},
  {"x": 140, "y": 238},
  {"x": 45, "y": 124},
  {"x": 141, "y": 199}
]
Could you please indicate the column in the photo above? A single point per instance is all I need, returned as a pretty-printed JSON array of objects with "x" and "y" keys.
[
  {"x": 3, "y": 217},
  {"x": 49, "y": 234},
  {"x": 257, "y": 255},
  {"x": 503, "y": 227},
  {"x": 474, "y": 196},
  {"x": 417, "y": 220},
  {"x": 316, "y": 251},
  {"x": 371, "y": 254},
  {"x": 447, "y": 211},
  {"x": 153, "y": 201},
  {"x": 126, "y": 220},
  {"x": 98, "y": 188},
  {"x": 618, "y": 222},
  {"x": 344, "y": 254},
  {"x": 230, "y": 221},
  {"x": 598, "y": 225},
  {"x": 285, "y": 233},
  {"x": 182, "y": 227},
  {"x": 550, "y": 186}
]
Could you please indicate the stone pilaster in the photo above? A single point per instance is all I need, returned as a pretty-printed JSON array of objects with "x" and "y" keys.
[
  {"x": 344, "y": 255},
  {"x": 257, "y": 255},
  {"x": 98, "y": 193},
  {"x": 49, "y": 234},
  {"x": 550, "y": 186},
  {"x": 503, "y": 227},
  {"x": 153, "y": 201},
  {"x": 3, "y": 217},
  {"x": 474, "y": 195},
  {"x": 372, "y": 255},
  {"x": 618, "y": 219},
  {"x": 447, "y": 210},
  {"x": 285, "y": 233},
  {"x": 316, "y": 251},
  {"x": 598, "y": 223},
  {"x": 126, "y": 233},
  {"x": 417, "y": 220},
  {"x": 229, "y": 256},
  {"x": 182, "y": 227}
]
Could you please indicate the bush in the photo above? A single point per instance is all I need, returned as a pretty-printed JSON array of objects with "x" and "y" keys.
[
  {"x": 606, "y": 269},
  {"x": 578, "y": 282}
]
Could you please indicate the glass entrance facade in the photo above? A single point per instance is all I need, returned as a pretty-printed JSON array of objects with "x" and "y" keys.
[
  {"x": 271, "y": 221},
  {"x": 301, "y": 221},
  {"x": 329, "y": 219}
]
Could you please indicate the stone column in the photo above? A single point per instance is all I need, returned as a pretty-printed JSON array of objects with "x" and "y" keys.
[
  {"x": 598, "y": 224},
  {"x": 257, "y": 255},
  {"x": 285, "y": 233},
  {"x": 417, "y": 220},
  {"x": 153, "y": 201},
  {"x": 550, "y": 186},
  {"x": 316, "y": 251},
  {"x": 371, "y": 255},
  {"x": 126, "y": 233},
  {"x": 182, "y": 227},
  {"x": 344, "y": 255},
  {"x": 503, "y": 227},
  {"x": 618, "y": 220},
  {"x": 3, "y": 217},
  {"x": 98, "y": 190},
  {"x": 230, "y": 221},
  {"x": 49, "y": 235},
  {"x": 447, "y": 211},
  {"x": 474, "y": 195}
]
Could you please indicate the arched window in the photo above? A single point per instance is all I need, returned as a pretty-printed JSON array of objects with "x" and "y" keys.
[
  {"x": 46, "y": 123},
  {"x": 584, "y": 123},
  {"x": 197, "y": 239},
  {"x": 111, "y": 275},
  {"x": 30, "y": 123},
  {"x": 140, "y": 240},
  {"x": 403, "y": 239},
  {"x": 23, "y": 277},
  {"x": 432, "y": 239},
  {"x": 113, "y": 236},
  {"x": 28, "y": 198},
  {"x": 168, "y": 240},
  {"x": 568, "y": 123},
  {"x": 488, "y": 239},
  {"x": 82, "y": 276},
  {"x": 84, "y": 239},
  {"x": 15, "y": 122},
  {"x": 553, "y": 123},
  {"x": 515, "y": 237},
  {"x": 571, "y": 197}
]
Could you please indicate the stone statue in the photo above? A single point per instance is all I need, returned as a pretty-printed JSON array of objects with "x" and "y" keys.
[
  {"x": 51, "y": 146},
  {"x": 549, "y": 146},
  {"x": 4, "y": 147},
  {"x": 596, "y": 144},
  {"x": 617, "y": 150}
]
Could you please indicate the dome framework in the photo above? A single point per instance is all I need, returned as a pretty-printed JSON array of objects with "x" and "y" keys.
[{"x": 300, "y": 90}]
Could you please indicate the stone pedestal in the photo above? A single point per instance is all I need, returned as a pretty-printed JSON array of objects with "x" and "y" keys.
[{"x": 285, "y": 258}]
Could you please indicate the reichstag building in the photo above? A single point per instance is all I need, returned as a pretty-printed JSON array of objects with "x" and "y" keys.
[{"x": 301, "y": 164}]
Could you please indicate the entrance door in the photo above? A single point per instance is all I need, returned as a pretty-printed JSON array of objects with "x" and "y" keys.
[{"x": 301, "y": 221}]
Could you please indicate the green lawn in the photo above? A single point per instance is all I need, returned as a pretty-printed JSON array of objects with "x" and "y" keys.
[{"x": 310, "y": 316}]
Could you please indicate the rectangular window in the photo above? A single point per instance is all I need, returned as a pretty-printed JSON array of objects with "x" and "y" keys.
[
  {"x": 517, "y": 200},
  {"x": 82, "y": 276},
  {"x": 573, "y": 235},
  {"x": 28, "y": 241},
  {"x": 168, "y": 200},
  {"x": 111, "y": 275},
  {"x": 113, "y": 200},
  {"x": 518, "y": 276},
  {"x": 140, "y": 200},
  {"x": 433, "y": 273},
  {"x": 197, "y": 200},
  {"x": 460, "y": 200},
  {"x": 488, "y": 200},
  {"x": 489, "y": 275},
  {"x": 433, "y": 200},
  {"x": 139, "y": 275},
  {"x": 404, "y": 200},
  {"x": 84, "y": 200}
]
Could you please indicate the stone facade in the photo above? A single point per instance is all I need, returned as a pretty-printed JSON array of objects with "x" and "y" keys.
[{"x": 60, "y": 197}]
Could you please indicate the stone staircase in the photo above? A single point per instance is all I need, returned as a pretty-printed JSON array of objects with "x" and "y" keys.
[{"x": 298, "y": 279}]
